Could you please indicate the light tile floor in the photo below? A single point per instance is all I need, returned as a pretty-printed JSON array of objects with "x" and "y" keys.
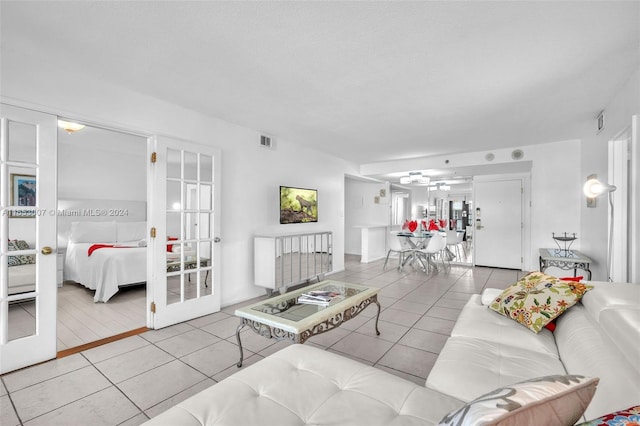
[{"x": 130, "y": 380}]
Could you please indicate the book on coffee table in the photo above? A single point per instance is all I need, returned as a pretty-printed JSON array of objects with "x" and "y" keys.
[{"x": 320, "y": 297}]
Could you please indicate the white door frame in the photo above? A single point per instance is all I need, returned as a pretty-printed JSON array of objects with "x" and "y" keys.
[
  {"x": 160, "y": 313},
  {"x": 41, "y": 345},
  {"x": 634, "y": 202},
  {"x": 619, "y": 224}
]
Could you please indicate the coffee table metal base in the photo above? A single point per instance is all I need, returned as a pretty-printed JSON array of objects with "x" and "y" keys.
[{"x": 271, "y": 332}]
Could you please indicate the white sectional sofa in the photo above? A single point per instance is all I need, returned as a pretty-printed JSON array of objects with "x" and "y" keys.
[{"x": 598, "y": 337}]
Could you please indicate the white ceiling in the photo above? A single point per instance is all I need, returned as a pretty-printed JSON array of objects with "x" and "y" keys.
[{"x": 365, "y": 81}]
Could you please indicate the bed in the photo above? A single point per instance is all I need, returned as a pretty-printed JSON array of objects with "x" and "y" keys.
[{"x": 104, "y": 256}]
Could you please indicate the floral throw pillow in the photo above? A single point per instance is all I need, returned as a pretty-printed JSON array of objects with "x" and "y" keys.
[
  {"x": 628, "y": 417},
  {"x": 537, "y": 299},
  {"x": 549, "y": 400}
]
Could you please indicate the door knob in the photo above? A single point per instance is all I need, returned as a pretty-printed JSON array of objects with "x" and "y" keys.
[
  {"x": 216, "y": 240},
  {"x": 46, "y": 250}
]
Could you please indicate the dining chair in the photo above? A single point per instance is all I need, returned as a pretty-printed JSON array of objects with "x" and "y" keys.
[
  {"x": 396, "y": 246},
  {"x": 437, "y": 243},
  {"x": 454, "y": 240}
]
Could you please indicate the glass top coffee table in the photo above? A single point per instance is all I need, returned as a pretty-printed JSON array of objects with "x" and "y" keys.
[{"x": 283, "y": 318}]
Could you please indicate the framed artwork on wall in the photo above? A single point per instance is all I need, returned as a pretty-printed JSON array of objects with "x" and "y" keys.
[
  {"x": 298, "y": 205},
  {"x": 23, "y": 194}
]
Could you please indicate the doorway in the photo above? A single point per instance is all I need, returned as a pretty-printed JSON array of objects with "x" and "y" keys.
[
  {"x": 102, "y": 181},
  {"x": 460, "y": 229}
]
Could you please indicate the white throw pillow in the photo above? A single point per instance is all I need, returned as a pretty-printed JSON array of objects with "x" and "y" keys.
[
  {"x": 93, "y": 232},
  {"x": 489, "y": 295},
  {"x": 550, "y": 401}
]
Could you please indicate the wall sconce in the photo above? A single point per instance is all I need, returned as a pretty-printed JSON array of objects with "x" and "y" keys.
[{"x": 594, "y": 188}]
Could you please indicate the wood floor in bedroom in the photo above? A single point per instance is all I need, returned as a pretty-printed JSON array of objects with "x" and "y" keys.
[
  {"x": 130, "y": 380},
  {"x": 82, "y": 321}
]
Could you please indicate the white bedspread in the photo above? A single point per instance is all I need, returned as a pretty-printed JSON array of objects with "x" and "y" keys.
[{"x": 106, "y": 269}]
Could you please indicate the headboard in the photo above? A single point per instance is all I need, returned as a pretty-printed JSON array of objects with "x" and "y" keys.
[{"x": 93, "y": 210}]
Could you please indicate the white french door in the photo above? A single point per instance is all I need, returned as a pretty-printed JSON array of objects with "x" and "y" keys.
[
  {"x": 185, "y": 212},
  {"x": 28, "y": 152},
  {"x": 498, "y": 228}
]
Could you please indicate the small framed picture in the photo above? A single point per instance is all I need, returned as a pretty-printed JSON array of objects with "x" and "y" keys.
[{"x": 23, "y": 194}]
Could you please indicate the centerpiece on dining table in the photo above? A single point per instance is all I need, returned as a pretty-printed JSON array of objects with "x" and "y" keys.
[{"x": 414, "y": 227}]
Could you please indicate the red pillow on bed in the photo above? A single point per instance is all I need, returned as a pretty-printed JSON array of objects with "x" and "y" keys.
[{"x": 170, "y": 246}]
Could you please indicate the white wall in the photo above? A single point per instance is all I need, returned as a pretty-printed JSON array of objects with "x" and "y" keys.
[
  {"x": 101, "y": 164},
  {"x": 251, "y": 175},
  {"x": 594, "y": 157},
  {"x": 361, "y": 209}
]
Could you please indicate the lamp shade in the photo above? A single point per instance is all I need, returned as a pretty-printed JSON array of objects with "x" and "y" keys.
[
  {"x": 593, "y": 188},
  {"x": 69, "y": 126}
]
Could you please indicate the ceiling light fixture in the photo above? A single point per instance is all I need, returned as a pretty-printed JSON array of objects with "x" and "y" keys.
[
  {"x": 415, "y": 177},
  {"x": 444, "y": 187},
  {"x": 69, "y": 126}
]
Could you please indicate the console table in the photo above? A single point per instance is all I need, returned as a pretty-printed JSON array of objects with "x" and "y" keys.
[
  {"x": 286, "y": 260},
  {"x": 565, "y": 260}
]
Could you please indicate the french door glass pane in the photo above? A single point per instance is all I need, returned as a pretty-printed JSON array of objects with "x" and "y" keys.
[
  {"x": 190, "y": 166},
  {"x": 22, "y": 142},
  {"x": 204, "y": 226},
  {"x": 173, "y": 164},
  {"x": 174, "y": 195},
  {"x": 206, "y": 168},
  {"x": 22, "y": 319},
  {"x": 206, "y": 194}
]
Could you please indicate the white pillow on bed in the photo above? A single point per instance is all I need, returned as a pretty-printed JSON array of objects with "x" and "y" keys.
[
  {"x": 131, "y": 231},
  {"x": 93, "y": 232}
]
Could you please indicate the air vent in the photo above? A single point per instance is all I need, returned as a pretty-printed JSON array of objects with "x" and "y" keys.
[{"x": 265, "y": 141}]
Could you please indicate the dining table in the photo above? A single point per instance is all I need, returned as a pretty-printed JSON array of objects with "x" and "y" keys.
[{"x": 416, "y": 241}]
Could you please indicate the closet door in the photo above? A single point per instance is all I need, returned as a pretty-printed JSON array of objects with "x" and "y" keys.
[
  {"x": 185, "y": 217},
  {"x": 28, "y": 150}
]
